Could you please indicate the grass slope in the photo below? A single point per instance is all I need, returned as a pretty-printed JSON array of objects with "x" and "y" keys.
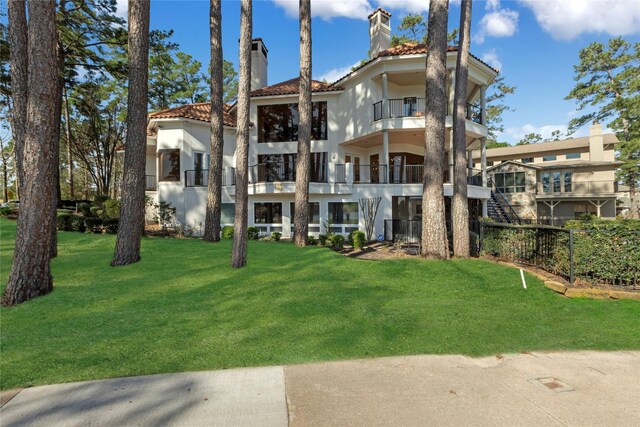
[{"x": 183, "y": 308}]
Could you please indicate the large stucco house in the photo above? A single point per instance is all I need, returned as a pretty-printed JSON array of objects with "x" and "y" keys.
[
  {"x": 553, "y": 181},
  {"x": 368, "y": 140}
]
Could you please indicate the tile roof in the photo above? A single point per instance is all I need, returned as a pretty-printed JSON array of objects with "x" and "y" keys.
[
  {"x": 291, "y": 87},
  {"x": 200, "y": 111},
  {"x": 378, "y": 9},
  {"x": 408, "y": 49}
]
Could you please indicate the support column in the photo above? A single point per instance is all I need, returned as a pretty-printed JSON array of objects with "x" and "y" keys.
[
  {"x": 385, "y": 98},
  {"x": 385, "y": 149},
  {"x": 483, "y": 104},
  {"x": 385, "y": 133},
  {"x": 450, "y": 157},
  {"x": 452, "y": 92},
  {"x": 598, "y": 204},
  {"x": 469, "y": 163},
  {"x": 483, "y": 166}
]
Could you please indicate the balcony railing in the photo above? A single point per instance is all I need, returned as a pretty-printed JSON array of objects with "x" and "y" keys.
[
  {"x": 586, "y": 187},
  {"x": 415, "y": 107},
  {"x": 341, "y": 173},
  {"x": 407, "y": 174},
  {"x": 370, "y": 174},
  {"x": 285, "y": 172},
  {"x": 200, "y": 177},
  {"x": 150, "y": 183}
]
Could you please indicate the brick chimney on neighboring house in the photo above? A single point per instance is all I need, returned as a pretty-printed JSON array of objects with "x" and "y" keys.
[
  {"x": 596, "y": 143},
  {"x": 379, "y": 32},
  {"x": 259, "y": 64}
]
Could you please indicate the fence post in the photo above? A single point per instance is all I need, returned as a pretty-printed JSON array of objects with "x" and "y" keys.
[{"x": 571, "y": 272}]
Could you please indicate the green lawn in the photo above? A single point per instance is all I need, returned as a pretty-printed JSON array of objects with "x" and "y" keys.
[{"x": 183, "y": 308}]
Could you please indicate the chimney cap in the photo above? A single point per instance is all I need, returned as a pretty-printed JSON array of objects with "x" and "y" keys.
[
  {"x": 380, "y": 10},
  {"x": 259, "y": 39}
]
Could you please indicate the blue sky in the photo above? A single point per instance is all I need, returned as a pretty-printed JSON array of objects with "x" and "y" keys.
[{"x": 534, "y": 43}]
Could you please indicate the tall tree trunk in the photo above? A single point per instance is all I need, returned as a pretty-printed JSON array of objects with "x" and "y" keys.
[
  {"x": 18, "y": 58},
  {"x": 239, "y": 253},
  {"x": 5, "y": 173},
  {"x": 635, "y": 207},
  {"x": 131, "y": 225},
  {"x": 301, "y": 221},
  {"x": 55, "y": 149},
  {"x": 214, "y": 194},
  {"x": 434, "y": 230},
  {"x": 67, "y": 117},
  {"x": 460, "y": 202},
  {"x": 30, "y": 273}
]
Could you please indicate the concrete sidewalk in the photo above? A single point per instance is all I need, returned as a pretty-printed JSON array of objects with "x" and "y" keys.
[{"x": 578, "y": 388}]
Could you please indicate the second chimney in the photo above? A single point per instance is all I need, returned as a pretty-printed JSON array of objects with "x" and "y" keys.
[
  {"x": 379, "y": 32},
  {"x": 259, "y": 64}
]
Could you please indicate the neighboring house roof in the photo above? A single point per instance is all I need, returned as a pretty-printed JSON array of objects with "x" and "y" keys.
[
  {"x": 408, "y": 49},
  {"x": 578, "y": 164},
  {"x": 292, "y": 86},
  {"x": 541, "y": 147},
  {"x": 513, "y": 162},
  {"x": 200, "y": 111}
]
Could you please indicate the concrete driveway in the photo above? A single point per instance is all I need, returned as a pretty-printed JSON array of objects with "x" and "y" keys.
[{"x": 576, "y": 388}]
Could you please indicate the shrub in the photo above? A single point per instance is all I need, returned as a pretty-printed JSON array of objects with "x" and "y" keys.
[
  {"x": 63, "y": 222},
  {"x": 95, "y": 211},
  {"x": 350, "y": 238},
  {"x": 85, "y": 209},
  {"x": 165, "y": 214},
  {"x": 312, "y": 241},
  {"x": 93, "y": 225},
  {"x": 322, "y": 238},
  {"x": 276, "y": 235},
  {"x": 227, "y": 232},
  {"x": 337, "y": 242},
  {"x": 110, "y": 225},
  {"x": 76, "y": 223},
  {"x": 112, "y": 208},
  {"x": 253, "y": 233},
  {"x": 358, "y": 239},
  {"x": 5, "y": 211}
]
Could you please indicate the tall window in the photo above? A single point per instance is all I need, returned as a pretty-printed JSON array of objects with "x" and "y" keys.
[
  {"x": 279, "y": 123},
  {"x": 169, "y": 165},
  {"x": 200, "y": 165},
  {"x": 282, "y": 167},
  {"x": 567, "y": 178},
  {"x": 556, "y": 182},
  {"x": 314, "y": 212},
  {"x": 267, "y": 213},
  {"x": 510, "y": 182},
  {"x": 227, "y": 213},
  {"x": 343, "y": 213}
]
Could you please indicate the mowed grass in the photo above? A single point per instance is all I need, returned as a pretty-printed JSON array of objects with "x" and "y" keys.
[{"x": 183, "y": 308}]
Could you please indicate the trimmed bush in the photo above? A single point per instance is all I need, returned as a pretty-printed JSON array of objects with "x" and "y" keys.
[
  {"x": 337, "y": 242},
  {"x": 227, "y": 232},
  {"x": 322, "y": 238},
  {"x": 85, "y": 209},
  {"x": 112, "y": 208},
  {"x": 95, "y": 211},
  {"x": 76, "y": 223},
  {"x": 358, "y": 238},
  {"x": 350, "y": 237},
  {"x": 93, "y": 225},
  {"x": 312, "y": 241},
  {"x": 63, "y": 222},
  {"x": 110, "y": 225},
  {"x": 276, "y": 235},
  {"x": 253, "y": 233},
  {"x": 6, "y": 211}
]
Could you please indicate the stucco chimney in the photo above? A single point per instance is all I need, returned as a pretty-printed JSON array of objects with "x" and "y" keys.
[
  {"x": 379, "y": 32},
  {"x": 259, "y": 64},
  {"x": 596, "y": 143}
]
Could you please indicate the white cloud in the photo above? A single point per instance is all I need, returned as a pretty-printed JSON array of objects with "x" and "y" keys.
[
  {"x": 122, "y": 6},
  {"x": 327, "y": 9},
  {"x": 498, "y": 23},
  {"x": 491, "y": 58},
  {"x": 492, "y": 4},
  {"x": 568, "y": 19},
  {"x": 335, "y": 73},
  {"x": 516, "y": 133},
  {"x": 411, "y": 6}
]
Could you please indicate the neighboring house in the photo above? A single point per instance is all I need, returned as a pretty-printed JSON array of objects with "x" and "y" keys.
[
  {"x": 367, "y": 141},
  {"x": 551, "y": 182}
]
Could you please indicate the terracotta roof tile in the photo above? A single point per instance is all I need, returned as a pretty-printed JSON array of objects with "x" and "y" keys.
[
  {"x": 374, "y": 12},
  {"x": 200, "y": 111},
  {"x": 408, "y": 49},
  {"x": 291, "y": 87}
]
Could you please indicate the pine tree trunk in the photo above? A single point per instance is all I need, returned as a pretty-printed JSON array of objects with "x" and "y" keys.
[
  {"x": 460, "y": 202},
  {"x": 635, "y": 208},
  {"x": 131, "y": 225},
  {"x": 214, "y": 194},
  {"x": 18, "y": 59},
  {"x": 301, "y": 221},
  {"x": 434, "y": 230},
  {"x": 239, "y": 252},
  {"x": 69, "y": 146},
  {"x": 55, "y": 150},
  {"x": 31, "y": 274}
]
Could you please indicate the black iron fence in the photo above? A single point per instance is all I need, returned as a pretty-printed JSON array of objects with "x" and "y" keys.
[
  {"x": 404, "y": 231},
  {"x": 415, "y": 107},
  {"x": 285, "y": 172},
  {"x": 609, "y": 257}
]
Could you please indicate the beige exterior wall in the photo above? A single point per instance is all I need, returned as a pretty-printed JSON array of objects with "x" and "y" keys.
[{"x": 523, "y": 203}]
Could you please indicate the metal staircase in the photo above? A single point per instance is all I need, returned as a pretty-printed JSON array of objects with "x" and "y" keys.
[{"x": 498, "y": 207}]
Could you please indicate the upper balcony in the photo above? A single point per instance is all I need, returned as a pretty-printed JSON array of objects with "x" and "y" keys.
[{"x": 415, "y": 107}]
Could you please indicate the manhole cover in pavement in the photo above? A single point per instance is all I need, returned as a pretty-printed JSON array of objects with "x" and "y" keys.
[{"x": 552, "y": 383}]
